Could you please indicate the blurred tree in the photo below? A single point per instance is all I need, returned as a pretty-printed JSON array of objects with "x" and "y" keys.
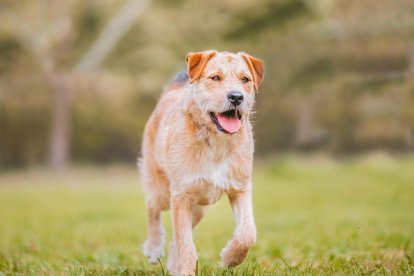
[
  {"x": 338, "y": 74},
  {"x": 56, "y": 32},
  {"x": 409, "y": 101}
]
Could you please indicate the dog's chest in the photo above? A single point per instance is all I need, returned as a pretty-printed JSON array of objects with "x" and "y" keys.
[
  {"x": 214, "y": 172},
  {"x": 207, "y": 185},
  {"x": 218, "y": 163},
  {"x": 217, "y": 173}
]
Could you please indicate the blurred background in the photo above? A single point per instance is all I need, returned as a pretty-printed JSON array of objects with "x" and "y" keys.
[
  {"x": 78, "y": 79},
  {"x": 334, "y": 131}
]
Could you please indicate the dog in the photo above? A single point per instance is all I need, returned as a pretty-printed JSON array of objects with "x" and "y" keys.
[{"x": 197, "y": 146}]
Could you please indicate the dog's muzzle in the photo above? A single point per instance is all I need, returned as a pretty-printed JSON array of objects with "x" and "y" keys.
[{"x": 228, "y": 121}]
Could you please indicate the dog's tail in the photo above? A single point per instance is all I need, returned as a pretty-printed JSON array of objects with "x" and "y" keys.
[{"x": 178, "y": 81}]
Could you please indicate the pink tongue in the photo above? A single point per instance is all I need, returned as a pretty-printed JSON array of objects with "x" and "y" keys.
[{"x": 230, "y": 124}]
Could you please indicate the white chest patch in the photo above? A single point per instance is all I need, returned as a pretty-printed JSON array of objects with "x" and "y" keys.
[{"x": 218, "y": 174}]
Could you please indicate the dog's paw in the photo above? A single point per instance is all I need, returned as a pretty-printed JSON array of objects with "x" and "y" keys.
[
  {"x": 183, "y": 266},
  {"x": 153, "y": 252},
  {"x": 233, "y": 254}
]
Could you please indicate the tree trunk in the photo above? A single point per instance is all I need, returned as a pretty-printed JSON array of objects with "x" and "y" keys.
[
  {"x": 119, "y": 25},
  {"x": 59, "y": 152},
  {"x": 303, "y": 123},
  {"x": 409, "y": 132}
]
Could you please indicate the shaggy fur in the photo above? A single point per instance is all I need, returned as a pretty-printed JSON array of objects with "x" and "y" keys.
[{"x": 188, "y": 163}]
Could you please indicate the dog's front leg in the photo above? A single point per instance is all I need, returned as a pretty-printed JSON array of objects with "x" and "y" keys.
[
  {"x": 244, "y": 236},
  {"x": 185, "y": 254}
]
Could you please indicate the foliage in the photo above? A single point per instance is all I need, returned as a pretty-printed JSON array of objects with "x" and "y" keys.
[{"x": 338, "y": 72}]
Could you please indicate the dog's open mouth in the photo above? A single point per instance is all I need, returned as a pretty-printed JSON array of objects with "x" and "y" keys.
[{"x": 227, "y": 122}]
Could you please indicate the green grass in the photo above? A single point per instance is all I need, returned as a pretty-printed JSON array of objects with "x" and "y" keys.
[{"x": 314, "y": 216}]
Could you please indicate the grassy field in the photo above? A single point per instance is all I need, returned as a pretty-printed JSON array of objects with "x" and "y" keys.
[{"x": 314, "y": 216}]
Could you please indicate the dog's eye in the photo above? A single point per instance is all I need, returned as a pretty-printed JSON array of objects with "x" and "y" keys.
[
  {"x": 245, "y": 79},
  {"x": 216, "y": 78}
]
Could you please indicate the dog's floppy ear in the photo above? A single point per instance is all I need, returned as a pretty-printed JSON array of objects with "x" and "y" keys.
[
  {"x": 196, "y": 62},
  {"x": 256, "y": 67}
]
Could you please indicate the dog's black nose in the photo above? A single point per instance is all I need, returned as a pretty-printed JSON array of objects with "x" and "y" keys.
[{"x": 235, "y": 97}]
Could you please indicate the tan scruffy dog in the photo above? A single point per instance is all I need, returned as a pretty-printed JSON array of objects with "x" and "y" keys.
[{"x": 198, "y": 145}]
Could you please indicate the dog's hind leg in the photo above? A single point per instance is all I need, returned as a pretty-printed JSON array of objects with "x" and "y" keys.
[
  {"x": 158, "y": 199},
  {"x": 153, "y": 247}
]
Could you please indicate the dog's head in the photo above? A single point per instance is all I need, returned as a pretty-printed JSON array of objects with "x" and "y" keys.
[{"x": 224, "y": 87}]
